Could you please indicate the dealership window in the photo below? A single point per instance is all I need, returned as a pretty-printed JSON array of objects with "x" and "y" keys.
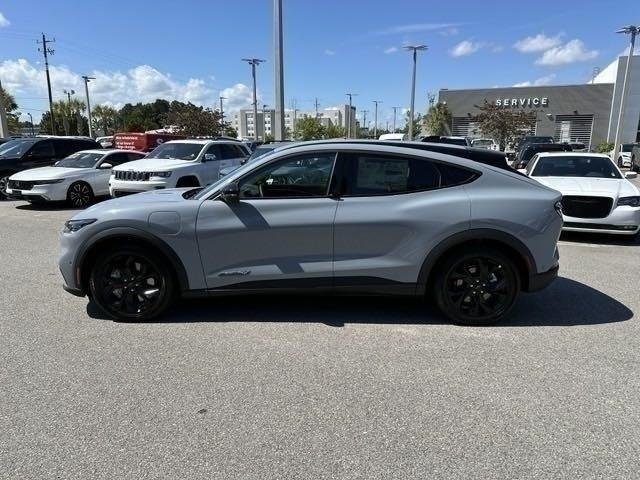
[{"x": 573, "y": 129}]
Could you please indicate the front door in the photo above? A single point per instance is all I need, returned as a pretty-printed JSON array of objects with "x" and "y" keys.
[{"x": 278, "y": 234}]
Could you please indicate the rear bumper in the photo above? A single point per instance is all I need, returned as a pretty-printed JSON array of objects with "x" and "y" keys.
[{"x": 539, "y": 281}]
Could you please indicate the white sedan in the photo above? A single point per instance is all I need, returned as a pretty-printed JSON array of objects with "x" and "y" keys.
[
  {"x": 596, "y": 195},
  {"x": 77, "y": 179}
]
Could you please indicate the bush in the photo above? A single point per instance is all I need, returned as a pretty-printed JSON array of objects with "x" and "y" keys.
[{"x": 604, "y": 147}]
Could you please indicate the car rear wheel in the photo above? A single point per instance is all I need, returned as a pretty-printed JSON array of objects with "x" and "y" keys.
[
  {"x": 131, "y": 284},
  {"x": 4, "y": 182},
  {"x": 80, "y": 195},
  {"x": 477, "y": 287}
]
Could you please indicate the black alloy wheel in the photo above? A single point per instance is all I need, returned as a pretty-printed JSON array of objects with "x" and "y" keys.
[
  {"x": 80, "y": 195},
  {"x": 4, "y": 182},
  {"x": 477, "y": 288},
  {"x": 131, "y": 284}
]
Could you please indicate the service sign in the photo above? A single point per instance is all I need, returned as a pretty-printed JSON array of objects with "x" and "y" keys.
[{"x": 523, "y": 102}]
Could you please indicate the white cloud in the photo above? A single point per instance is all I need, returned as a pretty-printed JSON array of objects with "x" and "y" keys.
[
  {"x": 546, "y": 80},
  {"x": 538, "y": 43},
  {"x": 391, "y": 50},
  {"x": 416, "y": 27},
  {"x": 571, "y": 52},
  {"x": 329, "y": 52},
  {"x": 465, "y": 47},
  {"x": 3, "y": 21},
  {"x": 449, "y": 32},
  {"x": 140, "y": 84}
]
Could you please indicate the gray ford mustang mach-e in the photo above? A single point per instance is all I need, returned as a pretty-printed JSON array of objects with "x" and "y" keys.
[{"x": 338, "y": 217}]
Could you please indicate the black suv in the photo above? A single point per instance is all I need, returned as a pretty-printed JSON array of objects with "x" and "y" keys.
[
  {"x": 635, "y": 157},
  {"x": 528, "y": 152},
  {"x": 25, "y": 153}
]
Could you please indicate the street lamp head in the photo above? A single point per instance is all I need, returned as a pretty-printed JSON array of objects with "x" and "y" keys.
[
  {"x": 417, "y": 48},
  {"x": 629, "y": 29},
  {"x": 253, "y": 61}
]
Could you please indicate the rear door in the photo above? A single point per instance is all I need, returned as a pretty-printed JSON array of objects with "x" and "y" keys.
[
  {"x": 41, "y": 154},
  {"x": 392, "y": 211},
  {"x": 279, "y": 234}
]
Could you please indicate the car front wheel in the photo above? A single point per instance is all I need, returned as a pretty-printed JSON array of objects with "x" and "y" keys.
[
  {"x": 80, "y": 195},
  {"x": 131, "y": 283},
  {"x": 4, "y": 182},
  {"x": 477, "y": 287}
]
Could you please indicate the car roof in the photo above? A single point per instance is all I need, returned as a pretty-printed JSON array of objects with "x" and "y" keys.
[
  {"x": 108, "y": 151},
  {"x": 572, "y": 154},
  {"x": 203, "y": 141}
]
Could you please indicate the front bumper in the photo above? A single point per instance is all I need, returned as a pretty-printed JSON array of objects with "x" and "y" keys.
[
  {"x": 539, "y": 281},
  {"x": 40, "y": 193},
  {"x": 118, "y": 188},
  {"x": 621, "y": 221}
]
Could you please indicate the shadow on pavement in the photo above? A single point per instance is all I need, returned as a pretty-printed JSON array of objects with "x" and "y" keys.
[
  {"x": 600, "y": 239},
  {"x": 564, "y": 303}
]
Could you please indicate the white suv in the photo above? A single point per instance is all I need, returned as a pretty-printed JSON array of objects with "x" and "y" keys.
[{"x": 179, "y": 163}]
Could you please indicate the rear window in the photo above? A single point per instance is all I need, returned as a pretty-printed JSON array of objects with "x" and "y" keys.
[{"x": 574, "y": 166}]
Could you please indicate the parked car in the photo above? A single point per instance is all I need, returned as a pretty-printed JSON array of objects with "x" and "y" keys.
[
  {"x": 578, "y": 147},
  {"x": 257, "y": 153},
  {"x": 635, "y": 158},
  {"x": 31, "y": 152},
  {"x": 77, "y": 179},
  {"x": 142, "y": 142},
  {"x": 462, "y": 141},
  {"x": 529, "y": 151},
  {"x": 624, "y": 155},
  {"x": 596, "y": 196},
  {"x": 252, "y": 144},
  {"x": 105, "y": 142},
  {"x": 394, "y": 136},
  {"x": 3, "y": 140},
  {"x": 487, "y": 143},
  {"x": 527, "y": 140},
  {"x": 178, "y": 163},
  {"x": 328, "y": 217}
]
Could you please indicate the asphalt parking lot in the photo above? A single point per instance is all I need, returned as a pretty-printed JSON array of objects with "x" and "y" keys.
[{"x": 261, "y": 388}]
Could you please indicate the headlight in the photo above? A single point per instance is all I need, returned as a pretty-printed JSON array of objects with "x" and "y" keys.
[
  {"x": 160, "y": 174},
  {"x": 629, "y": 201},
  {"x": 558, "y": 207},
  {"x": 47, "y": 182},
  {"x": 75, "y": 225}
]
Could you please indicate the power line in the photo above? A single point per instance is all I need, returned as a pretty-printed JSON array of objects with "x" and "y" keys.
[{"x": 48, "y": 51}]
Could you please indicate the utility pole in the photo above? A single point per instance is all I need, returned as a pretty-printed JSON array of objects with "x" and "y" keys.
[
  {"x": 221, "y": 98},
  {"x": 4, "y": 126},
  {"x": 87, "y": 79},
  {"x": 414, "y": 49},
  {"x": 33, "y": 133},
  {"x": 67, "y": 121},
  {"x": 316, "y": 104},
  {"x": 264, "y": 122},
  {"x": 633, "y": 31},
  {"x": 364, "y": 121},
  {"x": 278, "y": 66},
  {"x": 348, "y": 131},
  {"x": 46, "y": 51},
  {"x": 395, "y": 109},
  {"x": 375, "y": 124},
  {"x": 253, "y": 62}
]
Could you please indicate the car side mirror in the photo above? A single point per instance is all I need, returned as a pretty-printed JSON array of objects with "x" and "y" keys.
[
  {"x": 209, "y": 157},
  {"x": 230, "y": 193},
  {"x": 631, "y": 175},
  {"x": 105, "y": 166}
]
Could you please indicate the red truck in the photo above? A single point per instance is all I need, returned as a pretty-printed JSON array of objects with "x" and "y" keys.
[{"x": 143, "y": 142}]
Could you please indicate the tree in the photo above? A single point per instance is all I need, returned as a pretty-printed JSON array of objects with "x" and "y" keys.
[
  {"x": 501, "y": 123},
  {"x": 69, "y": 118},
  {"x": 144, "y": 116},
  {"x": 334, "y": 131},
  {"x": 309, "y": 128},
  {"x": 437, "y": 121},
  {"x": 10, "y": 106},
  {"x": 104, "y": 119},
  {"x": 192, "y": 120},
  {"x": 417, "y": 122}
]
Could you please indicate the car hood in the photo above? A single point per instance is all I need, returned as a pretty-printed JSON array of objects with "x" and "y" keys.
[
  {"x": 153, "y": 165},
  {"x": 610, "y": 187},
  {"x": 48, "y": 173},
  {"x": 168, "y": 196}
]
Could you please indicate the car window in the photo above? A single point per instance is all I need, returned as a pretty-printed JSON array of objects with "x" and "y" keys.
[
  {"x": 16, "y": 147},
  {"x": 43, "y": 149},
  {"x": 576, "y": 166},
  {"x": 385, "y": 174},
  {"x": 132, "y": 156},
  {"x": 241, "y": 151},
  {"x": 177, "y": 150},
  {"x": 229, "y": 151},
  {"x": 300, "y": 176},
  {"x": 64, "y": 147},
  {"x": 117, "y": 158},
  {"x": 80, "y": 160}
]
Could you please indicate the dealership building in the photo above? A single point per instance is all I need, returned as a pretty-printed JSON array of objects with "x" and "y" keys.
[{"x": 585, "y": 113}]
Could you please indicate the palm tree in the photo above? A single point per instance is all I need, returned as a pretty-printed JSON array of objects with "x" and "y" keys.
[{"x": 105, "y": 118}]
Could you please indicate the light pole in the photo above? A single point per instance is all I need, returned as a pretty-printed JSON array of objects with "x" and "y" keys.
[
  {"x": 364, "y": 122},
  {"x": 33, "y": 133},
  {"x": 221, "y": 98},
  {"x": 350, "y": 95},
  {"x": 87, "y": 79},
  {"x": 253, "y": 62},
  {"x": 278, "y": 67},
  {"x": 264, "y": 122},
  {"x": 395, "y": 109},
  {"x": 633, "y": 31},
  {"x": 415, "y": 49},
  {"x": 375, "y": 122}
]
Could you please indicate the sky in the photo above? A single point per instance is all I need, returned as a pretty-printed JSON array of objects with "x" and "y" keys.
[{"x": 192, "y": 50}]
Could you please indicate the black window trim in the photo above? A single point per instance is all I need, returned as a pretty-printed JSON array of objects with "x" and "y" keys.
[
  {"x": 436, "y": 162},
  {"x": 328, "y": 193}
]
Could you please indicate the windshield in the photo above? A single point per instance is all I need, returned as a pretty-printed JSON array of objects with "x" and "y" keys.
[
  {"x": 178, "y": 151},
  {"x": 258, "y": 152},
  {"x": 16, "y": 147},
  {"x": 482, "y": 142},
  {"x": 626, "y": 147},
  {"x": 572, "y": 166},
  {"x": 80, "y": 160}
]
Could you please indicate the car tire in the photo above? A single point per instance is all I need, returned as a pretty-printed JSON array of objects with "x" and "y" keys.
[
  {"x": 131, "y": 284},
  {"x": 619, "y": 162},
  {"x": 4, "y": 180},
  {"x": 477, "y": 286},
  {"x": 80, "y": 195}
]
